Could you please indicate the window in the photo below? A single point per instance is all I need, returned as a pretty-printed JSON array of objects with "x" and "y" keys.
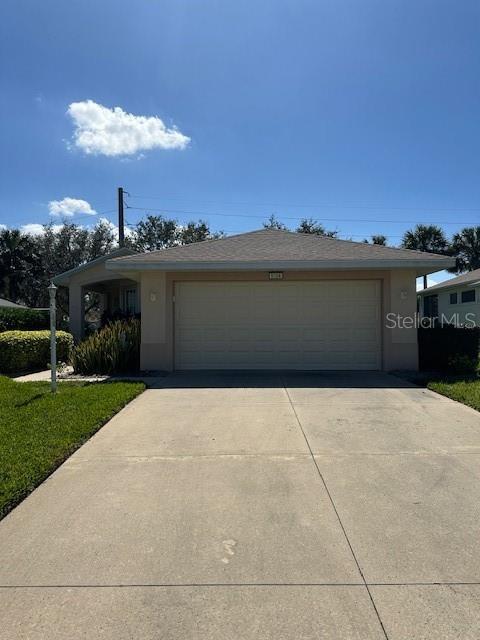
[
  {"x": 453, "y": 298},
  {"x": 468, "y": 296},
  {"x": 130, "y": 300}
]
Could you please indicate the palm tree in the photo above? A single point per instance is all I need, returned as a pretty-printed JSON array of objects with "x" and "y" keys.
[
  {"x": 465, "y": 246},
  {"x": 377, "y": 239},
  {"x": 429, "y": 238}
]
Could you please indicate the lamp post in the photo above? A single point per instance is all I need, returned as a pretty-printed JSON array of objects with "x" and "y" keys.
[{"x": 52, "y": 290}]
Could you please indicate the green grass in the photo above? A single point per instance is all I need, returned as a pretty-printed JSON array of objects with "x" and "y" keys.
[
  {"x": 466, "y": 391},
  {"x": 38, "y": 430}
]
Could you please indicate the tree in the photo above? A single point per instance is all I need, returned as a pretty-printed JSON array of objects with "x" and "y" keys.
[
  {"x": 377, "y": 239},
  {"x": 101, "y": 240},
  {"x": 57, "y": 250},
  {"x": 153, "y": 233},
  {"x": 309, "y": 225},
  {"x": 465, "y": 246},
  {"x": 157, "y": 232},
  {"x": 429, "y": 238},
  {"x": 16, "y": 259},
  {"x": 273, "y": 223},
  {"x": 196, "y": 232}
]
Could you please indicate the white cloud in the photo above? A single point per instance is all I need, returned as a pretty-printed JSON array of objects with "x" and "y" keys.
[
  {"x": 70, "y": 207},
  {"x": 32, "y": 229},
  {"x": 3, "y": 227},
  {"x": 114, "y": 132},
  {"x": 127, "y": 230},
  {"x": 35, "y": 229}
]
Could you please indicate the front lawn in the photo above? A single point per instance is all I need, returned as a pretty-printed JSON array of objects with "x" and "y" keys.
[
  {"x": 467, "y": 392},
  {"x": 38, "y": 431}
]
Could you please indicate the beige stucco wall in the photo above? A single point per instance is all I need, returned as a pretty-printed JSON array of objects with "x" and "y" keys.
[
  {"x": 399, "y": 346},
  {"x": 400, "y": 343}
]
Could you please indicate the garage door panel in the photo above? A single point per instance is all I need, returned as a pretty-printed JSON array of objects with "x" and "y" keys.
[
  {"x": 280, "y": 325},
  {"x": 365, "y": 334}
]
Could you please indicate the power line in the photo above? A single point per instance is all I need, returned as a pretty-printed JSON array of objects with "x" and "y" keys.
[
  {"x": 318, "y": 206},
  {"x": 263, "y": 215},
  {"x": 344, "y": 236}
]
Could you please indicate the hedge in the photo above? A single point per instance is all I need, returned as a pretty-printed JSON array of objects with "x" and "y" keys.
[
  {"x": 30, "y": 350},
  {"x": 448, "y": 348},
  {"x": 12, "y": 319}
]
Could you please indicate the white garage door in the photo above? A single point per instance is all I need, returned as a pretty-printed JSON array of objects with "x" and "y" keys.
[{"x": 278, "y": 325}]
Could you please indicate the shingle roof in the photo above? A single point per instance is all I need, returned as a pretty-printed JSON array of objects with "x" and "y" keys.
[
  {"x": 8, "y": 303},
  {"x": 465, "y": 279},
  {"x": 64, "y": 277},
  {"x": 271, "y": 245}
]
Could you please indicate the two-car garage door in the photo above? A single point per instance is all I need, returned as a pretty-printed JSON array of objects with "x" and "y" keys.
[{"x": 278, "y": 325}]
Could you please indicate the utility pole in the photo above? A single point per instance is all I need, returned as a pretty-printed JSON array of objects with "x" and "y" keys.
[{"x": 121, "y": 223}]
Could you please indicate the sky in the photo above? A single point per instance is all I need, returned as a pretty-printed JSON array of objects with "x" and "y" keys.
[{"x": 363, "y": 114}]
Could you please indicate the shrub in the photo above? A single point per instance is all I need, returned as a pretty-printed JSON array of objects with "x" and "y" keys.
[
  {"x": 462, "y": 364},
  {"x": 113, "y": 349},
  {"x": 447, "y": 347},
  {"x": 12, "y": 319},
  {"x": 29, "y": 350}
]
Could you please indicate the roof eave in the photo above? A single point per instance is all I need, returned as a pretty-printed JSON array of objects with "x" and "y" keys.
[
  {"x": 63, "y": 279},
  {"x": 449, "y": 284},
  {"x": 421, "y": 266}
]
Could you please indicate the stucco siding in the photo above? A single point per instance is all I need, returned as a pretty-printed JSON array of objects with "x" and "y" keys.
[{"x": 399, "y": 346}]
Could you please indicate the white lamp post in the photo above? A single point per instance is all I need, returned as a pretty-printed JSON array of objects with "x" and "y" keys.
[{"x": 52, "y": 290}]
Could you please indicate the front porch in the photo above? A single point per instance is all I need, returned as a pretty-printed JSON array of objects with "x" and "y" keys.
[{"x": 113, "y": 295}]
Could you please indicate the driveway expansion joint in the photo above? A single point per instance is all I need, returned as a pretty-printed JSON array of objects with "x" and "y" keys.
[
  {"x": 165, "y": 456},
  {"x": 201, "y": 585},
  {"x": 330, "y": 497}
]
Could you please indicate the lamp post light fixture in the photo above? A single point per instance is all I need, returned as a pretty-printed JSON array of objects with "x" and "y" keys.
[{"x": 52, "y": 290}]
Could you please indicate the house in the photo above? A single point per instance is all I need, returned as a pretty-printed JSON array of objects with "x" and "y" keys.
[
  {"x": 266, "y": 299},
  {"x": 456, "y": 301}
]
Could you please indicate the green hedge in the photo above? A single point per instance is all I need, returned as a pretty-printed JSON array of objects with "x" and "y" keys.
[
  {"x": 12, "y": 319},
  {"x": 448, "y": 348},
  {"x": 30, "y": 350},
  {"x": 113, "y": 349}
]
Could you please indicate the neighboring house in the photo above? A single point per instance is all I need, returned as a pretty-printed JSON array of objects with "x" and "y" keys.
[
  {"x": 267, "y": 299},
  {"x": 11, "y": 305},
  {"x": 456, "y": 301}
]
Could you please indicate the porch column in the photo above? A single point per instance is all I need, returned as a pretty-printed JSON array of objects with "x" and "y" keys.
[
  {"x": 102, "y": 304},
  {"x": 76, "y": 310}
]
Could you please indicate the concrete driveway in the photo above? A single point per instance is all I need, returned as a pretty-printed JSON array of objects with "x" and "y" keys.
[{"x": 234, "y": 507}]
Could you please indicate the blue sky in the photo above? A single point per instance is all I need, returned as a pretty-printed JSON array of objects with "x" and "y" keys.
[{"x": 347, "y": 111}]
